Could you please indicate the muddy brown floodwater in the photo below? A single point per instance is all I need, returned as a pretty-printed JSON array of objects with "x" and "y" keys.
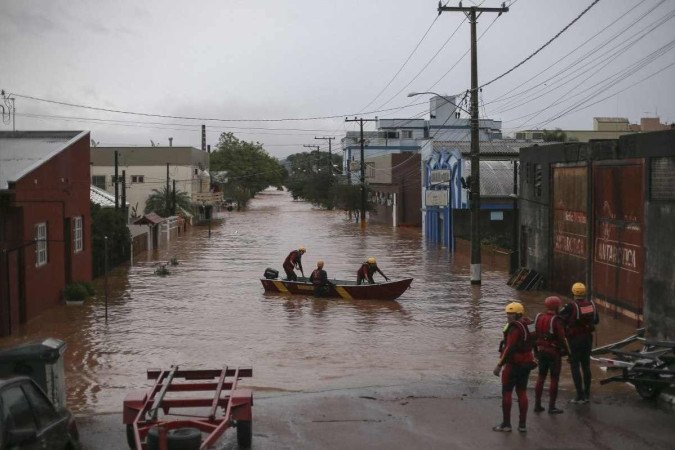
[{"x": 211, "y": 311}]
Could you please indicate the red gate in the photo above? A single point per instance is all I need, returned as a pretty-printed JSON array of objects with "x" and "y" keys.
[{"x": 618, "y": 262}]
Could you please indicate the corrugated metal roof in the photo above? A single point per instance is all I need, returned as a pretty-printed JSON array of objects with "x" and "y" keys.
[
  {"x": 22, "y": 152},
  {"x": 502, "y": 147},
  {"x": 149, "y": 156},
  {"x": 152, "y": 218},
  {"x": 102, "y": 198},
  {"x": 496, "y": 178}
]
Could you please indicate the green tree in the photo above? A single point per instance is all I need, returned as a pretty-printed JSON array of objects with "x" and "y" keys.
[
  {"x": 250, "y": 169},
  {"x": 161, "y": 202},
  {"x": 556, "y": 135},
  {"x": 113, "y": 224}
]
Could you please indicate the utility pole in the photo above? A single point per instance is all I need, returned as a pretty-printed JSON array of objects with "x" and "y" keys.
[
  {"x": 330, "y": 153},
  {"x": 173, "y": 203},
  {"x": 472, "y": 13},
  {"x": 166, "y": 200},
  {"x": 363, "y": 167},
  {"x": 124, "y": 194},
  {"x": 117, "y": 189}
]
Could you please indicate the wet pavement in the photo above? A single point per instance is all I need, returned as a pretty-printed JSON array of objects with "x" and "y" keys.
[{"x": 211, "y": 311}]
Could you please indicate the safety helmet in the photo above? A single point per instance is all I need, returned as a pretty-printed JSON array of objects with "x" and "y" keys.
[
  {"x": 515, "y": 308},
  {"x": 319, "y": 264},
  {"x": 578, "y": 289},
  {"x": 553, "y": 303},
  {"x": 371, "y": 260},
  {"x": 302, "y": 249}
]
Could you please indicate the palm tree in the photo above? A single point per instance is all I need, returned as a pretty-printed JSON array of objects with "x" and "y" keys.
[{"x": 161, "y": 202}]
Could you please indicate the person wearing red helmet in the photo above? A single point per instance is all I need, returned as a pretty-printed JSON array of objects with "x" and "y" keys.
[
  {"x": 551, "y": 345},
  {"x": 581, "y": 317},
  {"x": 517, "y": 361}
]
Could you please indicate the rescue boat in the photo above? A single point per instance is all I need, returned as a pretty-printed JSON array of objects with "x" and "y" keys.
[{"x": 348, "y": 290}]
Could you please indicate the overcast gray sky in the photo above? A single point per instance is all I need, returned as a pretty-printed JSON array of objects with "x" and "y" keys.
[{"x": 234, "y": 59}]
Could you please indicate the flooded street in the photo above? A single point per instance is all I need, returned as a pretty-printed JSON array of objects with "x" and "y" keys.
[{"x": 212, "y": 311}]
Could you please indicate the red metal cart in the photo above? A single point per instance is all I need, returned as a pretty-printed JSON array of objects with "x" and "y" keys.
[{"x": 185, "y": 430}]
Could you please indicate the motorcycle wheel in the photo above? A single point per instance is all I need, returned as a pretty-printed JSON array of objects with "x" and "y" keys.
[{"x": 647, "y": 391}]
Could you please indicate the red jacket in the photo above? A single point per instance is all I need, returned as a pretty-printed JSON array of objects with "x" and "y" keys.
[
  {"x": 518, "y": 343},
  {"x": 550, "y": 333},
  {"x": 294, "y": 259},
  {"x": 581, "y": 317}
]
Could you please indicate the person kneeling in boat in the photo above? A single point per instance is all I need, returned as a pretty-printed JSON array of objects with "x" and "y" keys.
[
  {"x": 319, "y": 278},
  {"x": 293, "y": 261},
  {"x": 367, "y": 270}
]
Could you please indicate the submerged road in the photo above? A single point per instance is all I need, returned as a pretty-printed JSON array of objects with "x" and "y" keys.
[{"x": 211, "y": 311}]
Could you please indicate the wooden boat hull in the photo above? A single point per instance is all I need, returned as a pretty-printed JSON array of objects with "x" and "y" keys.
[{"x": 347, "y": 290}]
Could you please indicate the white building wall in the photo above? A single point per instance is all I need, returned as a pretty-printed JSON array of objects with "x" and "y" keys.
[{"x": 154, "y": 178}]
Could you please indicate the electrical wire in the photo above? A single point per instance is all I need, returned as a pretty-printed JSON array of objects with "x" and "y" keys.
[{"x": 543, "y": 46}]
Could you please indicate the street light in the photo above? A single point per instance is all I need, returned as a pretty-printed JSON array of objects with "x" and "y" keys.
[{"x": 474, "y": 189}]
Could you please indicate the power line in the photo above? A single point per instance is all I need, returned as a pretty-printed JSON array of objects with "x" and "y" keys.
[
  {"x": 204, "y": 119},
  {"x": 543, "y": 46}
]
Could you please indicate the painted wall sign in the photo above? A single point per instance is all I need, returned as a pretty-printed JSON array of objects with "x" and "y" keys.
[{"x": 436, "y": 198}]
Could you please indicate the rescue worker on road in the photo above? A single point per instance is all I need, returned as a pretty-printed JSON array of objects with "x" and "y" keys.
[
  {"x": 581, "y": 317},
  {"x": 515, "y": 364},
  {"x": 551, "y": 346},
  {"x": 294, "y": 261},
  {"x": 319, "y": 278},
  {"x": 367, "y": 270}
]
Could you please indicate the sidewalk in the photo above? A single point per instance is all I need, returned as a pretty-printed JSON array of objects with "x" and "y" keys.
[{"x": 431, "y": 416}]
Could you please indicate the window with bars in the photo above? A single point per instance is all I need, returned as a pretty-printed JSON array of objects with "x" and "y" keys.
[
  {"x": 78, "y": 243},
  {"x": 662, "y": 181},
  {"x": 40, "y": 244}
]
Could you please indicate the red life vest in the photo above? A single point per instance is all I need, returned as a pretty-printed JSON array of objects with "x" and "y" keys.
[
  {"x": 292, "y": 259},
  {"x": 582, "y": 321},
  {"x": 522, "y": 353},
  {"x": 544, "y": 326}
]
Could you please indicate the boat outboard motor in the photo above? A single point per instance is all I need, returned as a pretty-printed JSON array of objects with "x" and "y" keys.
[{"x": 271, "y": 274}]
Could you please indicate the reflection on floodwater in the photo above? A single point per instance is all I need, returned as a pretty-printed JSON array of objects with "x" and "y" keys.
[{"x": 212, "y": 311}]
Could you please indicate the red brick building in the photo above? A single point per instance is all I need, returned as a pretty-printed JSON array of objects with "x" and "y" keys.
[{"x": 45, "y": 222}]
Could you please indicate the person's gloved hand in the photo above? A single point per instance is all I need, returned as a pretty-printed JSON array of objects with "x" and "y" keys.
[{"x": 497, "y": 370}]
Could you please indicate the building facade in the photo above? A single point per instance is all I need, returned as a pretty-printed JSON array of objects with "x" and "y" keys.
[
  {"x": 604, "y": 213},
  {"x": 45, "y": 221},
  {"x": 603, "y": 128},
  {"x": 147, "y": 169}
]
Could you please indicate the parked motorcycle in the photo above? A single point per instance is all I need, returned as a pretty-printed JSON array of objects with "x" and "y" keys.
[{"x": 650, "y": 369}]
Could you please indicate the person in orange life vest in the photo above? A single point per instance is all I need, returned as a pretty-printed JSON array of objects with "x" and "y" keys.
[
  {"x": 319, "y": 278},
  {"x": 515, "y": 364},
  {"x": 293, "y": 261},
  {"x": 581, "y": 317},
  {"x": 551, "y": 346},
  {"x": 367, "y": 270}
]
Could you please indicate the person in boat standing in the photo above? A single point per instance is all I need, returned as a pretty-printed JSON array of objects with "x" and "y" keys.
[
  {"x": 581, "y": 317},
  {"x": 515, "y": 363},
  {"x": 367, "y": 270},
  {"x": 319, "y": 278},
  {"x": 294, "y": 261},
  {"x": 551, "y": 347}
]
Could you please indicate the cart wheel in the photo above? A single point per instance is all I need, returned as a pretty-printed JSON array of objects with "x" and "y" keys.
[
  {"x": 647, "y": 390},
  {"x": 244, "y": 433},
  {"x": 178, "y": 439}
]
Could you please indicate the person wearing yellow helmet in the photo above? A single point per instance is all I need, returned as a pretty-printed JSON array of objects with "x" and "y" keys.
[
  {"x": 515, "y": 363},
  {"x": 581, "y": 317},
  {"x": 367, "y": 270},
  {"x": 293, "y": 261},
  {"x": 319, "y": 278}
]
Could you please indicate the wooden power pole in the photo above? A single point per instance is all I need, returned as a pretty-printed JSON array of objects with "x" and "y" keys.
[{"x": 472, "y": 13}]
